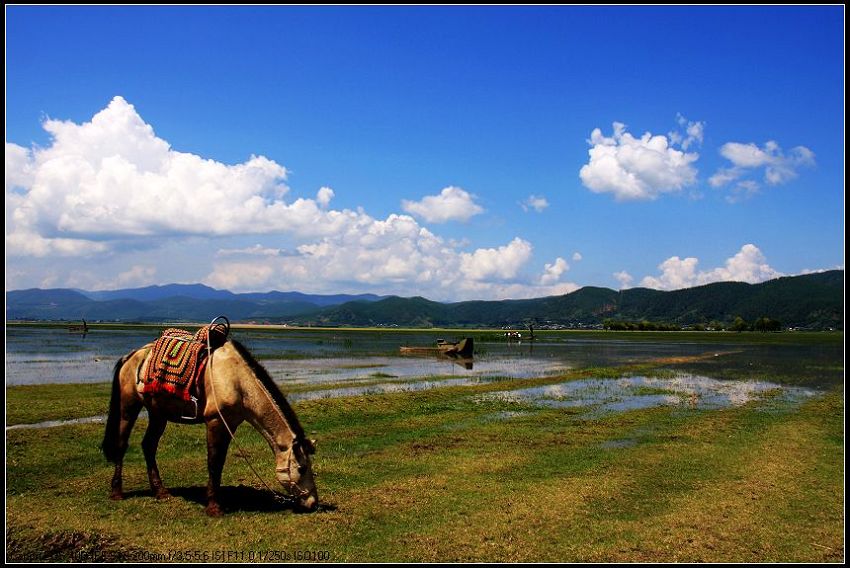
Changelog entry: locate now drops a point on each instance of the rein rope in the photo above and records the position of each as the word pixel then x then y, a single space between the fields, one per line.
pixel 292 485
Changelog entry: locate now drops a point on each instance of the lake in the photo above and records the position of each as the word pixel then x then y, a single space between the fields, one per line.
pixel 303 357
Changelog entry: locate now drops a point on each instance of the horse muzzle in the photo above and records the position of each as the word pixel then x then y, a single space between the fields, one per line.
pixel 308 504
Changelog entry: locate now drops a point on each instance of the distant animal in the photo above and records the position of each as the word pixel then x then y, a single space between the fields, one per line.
pixel 232 388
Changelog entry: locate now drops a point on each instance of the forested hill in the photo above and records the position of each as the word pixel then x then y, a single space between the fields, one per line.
pixel 812 301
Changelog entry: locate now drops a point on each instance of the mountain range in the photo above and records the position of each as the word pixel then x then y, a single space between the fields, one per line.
pixel 171 302
pixel 813 301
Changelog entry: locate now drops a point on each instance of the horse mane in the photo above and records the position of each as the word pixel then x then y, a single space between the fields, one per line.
pixel 275 392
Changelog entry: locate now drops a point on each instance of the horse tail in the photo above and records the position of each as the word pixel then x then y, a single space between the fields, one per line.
pixel 110 444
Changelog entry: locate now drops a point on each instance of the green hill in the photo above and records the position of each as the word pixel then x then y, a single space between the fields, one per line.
pixel 814 301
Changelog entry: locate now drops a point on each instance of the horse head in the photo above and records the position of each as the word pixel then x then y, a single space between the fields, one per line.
pixel 295 472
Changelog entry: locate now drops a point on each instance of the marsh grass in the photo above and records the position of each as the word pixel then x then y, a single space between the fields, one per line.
pixel 433 476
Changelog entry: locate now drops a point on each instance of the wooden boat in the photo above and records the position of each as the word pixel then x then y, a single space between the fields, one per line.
pixel 463 348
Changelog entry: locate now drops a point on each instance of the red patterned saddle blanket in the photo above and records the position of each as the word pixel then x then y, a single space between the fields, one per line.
pixel 178 360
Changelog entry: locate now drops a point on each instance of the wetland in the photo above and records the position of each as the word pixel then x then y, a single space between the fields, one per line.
pixel 580 446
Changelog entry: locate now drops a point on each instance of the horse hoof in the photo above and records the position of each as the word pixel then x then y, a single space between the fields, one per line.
pixel 214 511
pixel 164 494
pixel 116 496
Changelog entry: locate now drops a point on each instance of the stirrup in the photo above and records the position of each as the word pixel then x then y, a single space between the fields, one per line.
pixel 194 400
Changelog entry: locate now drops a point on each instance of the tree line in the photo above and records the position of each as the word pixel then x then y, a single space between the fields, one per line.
pixel 762 324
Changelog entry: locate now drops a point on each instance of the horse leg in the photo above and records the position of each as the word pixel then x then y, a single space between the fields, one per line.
pixel 218 440
pixel 156 426
pixel 128 420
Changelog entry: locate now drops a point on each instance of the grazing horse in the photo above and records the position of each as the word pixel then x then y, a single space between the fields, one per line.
pixel 234 388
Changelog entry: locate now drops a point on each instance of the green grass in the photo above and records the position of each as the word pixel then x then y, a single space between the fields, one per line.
pixel 436 476
pixel 28 404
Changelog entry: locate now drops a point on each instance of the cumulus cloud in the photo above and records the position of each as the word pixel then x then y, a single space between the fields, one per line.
pixel 624 278
pixel 637 168
pixel 452 204
pixel 502 262
pixel 534 202
pixel 324 196
pixel 18 172
pixel 577 256
pixel 749 161
pixel 675 273
pixel 691 133
pixel 552 272
pixel 748 265
pixel 113 177
pixel 398 255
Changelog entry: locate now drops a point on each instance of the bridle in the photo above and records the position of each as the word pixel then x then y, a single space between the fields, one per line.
pixel 293 487
pixel 295 491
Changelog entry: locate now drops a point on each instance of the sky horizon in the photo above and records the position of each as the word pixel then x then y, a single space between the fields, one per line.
pixel 454 153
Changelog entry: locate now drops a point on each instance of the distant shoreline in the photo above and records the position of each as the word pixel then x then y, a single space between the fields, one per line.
pixel 492 334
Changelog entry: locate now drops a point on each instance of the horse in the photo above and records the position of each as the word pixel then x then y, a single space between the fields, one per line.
pixel 235 388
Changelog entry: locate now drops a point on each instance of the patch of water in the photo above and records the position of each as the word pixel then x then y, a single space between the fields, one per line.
pixel 639 392
pixel 54 423
pixel 336 370
pixel 386 388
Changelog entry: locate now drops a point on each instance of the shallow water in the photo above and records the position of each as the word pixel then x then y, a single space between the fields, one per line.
pixel 369 363
pixel 37 355
pixel 595 396
pixel 600 396
pixel 54 423
pixel 335 370
pixel 385 388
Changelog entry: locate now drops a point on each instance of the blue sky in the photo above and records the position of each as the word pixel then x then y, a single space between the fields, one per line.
pixel 437 151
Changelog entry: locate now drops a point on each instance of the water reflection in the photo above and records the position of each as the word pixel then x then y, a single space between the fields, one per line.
pixel 319 371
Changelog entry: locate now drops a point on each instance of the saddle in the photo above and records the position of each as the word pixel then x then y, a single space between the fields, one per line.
pixel 178 360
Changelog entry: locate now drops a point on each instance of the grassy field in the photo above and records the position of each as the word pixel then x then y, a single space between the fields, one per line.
pixel 443 476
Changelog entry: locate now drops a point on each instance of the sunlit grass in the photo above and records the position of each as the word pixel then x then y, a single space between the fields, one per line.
pixel 425 477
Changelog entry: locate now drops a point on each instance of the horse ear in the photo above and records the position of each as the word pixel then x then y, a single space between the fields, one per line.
pixel 312 448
